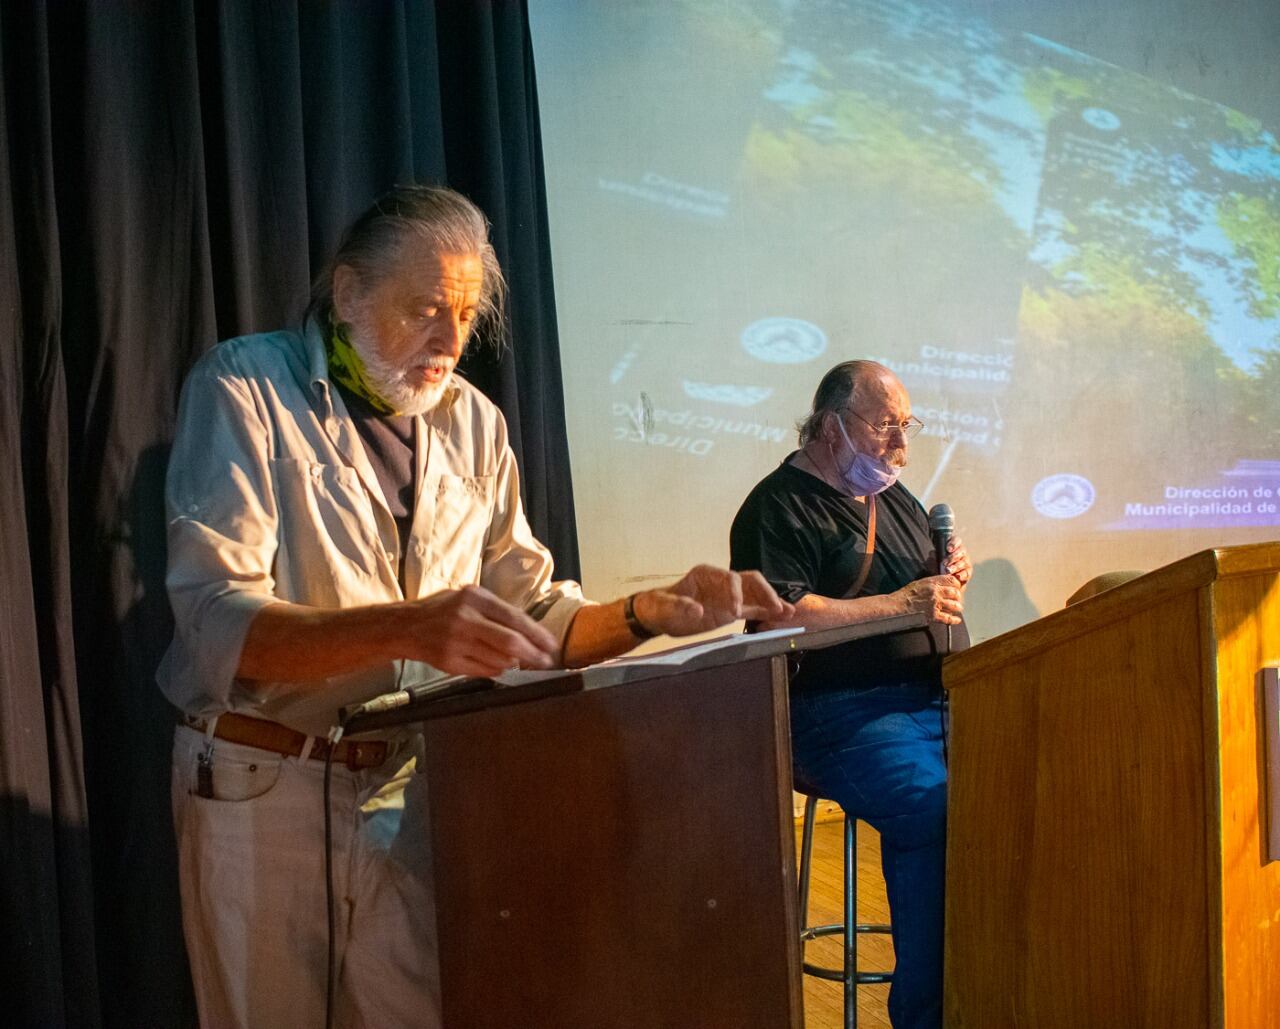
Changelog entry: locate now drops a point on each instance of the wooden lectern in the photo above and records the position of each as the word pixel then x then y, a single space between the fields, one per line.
pixel 618 857
pixel 1107 858
pixel 614 848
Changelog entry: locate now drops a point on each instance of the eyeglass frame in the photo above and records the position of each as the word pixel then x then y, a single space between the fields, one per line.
pixel 909 429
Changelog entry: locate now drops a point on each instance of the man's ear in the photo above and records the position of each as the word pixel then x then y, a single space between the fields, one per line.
pixel 826 431
pixel 346 288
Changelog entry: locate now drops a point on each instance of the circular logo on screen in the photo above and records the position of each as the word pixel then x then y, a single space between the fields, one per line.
pixel 1063 496
pixel 783 340
pixel 1101 119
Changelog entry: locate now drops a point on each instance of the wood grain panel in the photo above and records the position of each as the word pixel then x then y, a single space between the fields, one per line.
pixel 1079 620
pixel 1250 559
pixel 1247 619
pixel 1076 851
pixel 619 857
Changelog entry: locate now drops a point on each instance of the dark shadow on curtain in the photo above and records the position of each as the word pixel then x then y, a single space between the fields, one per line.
pixel 146 981
pixel 170 179
pixel 47 946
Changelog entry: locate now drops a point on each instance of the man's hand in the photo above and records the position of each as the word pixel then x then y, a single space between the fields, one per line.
pixel 958 563
pixel 939 597
pixel 707 598
pixel 469 631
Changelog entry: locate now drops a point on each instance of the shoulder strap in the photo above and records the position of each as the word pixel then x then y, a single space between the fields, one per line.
pixel 865 570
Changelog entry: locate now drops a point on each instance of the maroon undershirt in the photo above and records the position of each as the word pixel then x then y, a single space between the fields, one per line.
pixel 389 443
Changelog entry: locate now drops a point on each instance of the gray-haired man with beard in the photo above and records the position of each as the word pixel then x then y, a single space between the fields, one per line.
pixel 345 519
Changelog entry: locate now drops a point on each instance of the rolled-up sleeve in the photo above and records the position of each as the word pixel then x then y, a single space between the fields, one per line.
pixel 222 533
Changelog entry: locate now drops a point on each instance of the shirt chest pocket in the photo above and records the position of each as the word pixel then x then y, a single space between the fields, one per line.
pixel 463 512
pixel 325 513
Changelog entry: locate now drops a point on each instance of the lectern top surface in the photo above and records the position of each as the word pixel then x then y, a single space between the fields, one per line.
pixel 457 696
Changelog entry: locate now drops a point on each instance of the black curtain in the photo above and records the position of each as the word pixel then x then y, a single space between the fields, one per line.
pixel 171 174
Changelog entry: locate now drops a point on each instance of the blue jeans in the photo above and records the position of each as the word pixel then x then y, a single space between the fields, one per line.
pixel 878 752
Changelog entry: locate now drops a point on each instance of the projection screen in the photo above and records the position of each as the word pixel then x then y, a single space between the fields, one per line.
pixel 1074 268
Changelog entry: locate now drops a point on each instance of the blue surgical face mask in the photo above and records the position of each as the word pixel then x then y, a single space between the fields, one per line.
pixel 867 475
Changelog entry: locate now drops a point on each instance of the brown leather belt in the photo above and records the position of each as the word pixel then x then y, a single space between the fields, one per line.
pixel 280 739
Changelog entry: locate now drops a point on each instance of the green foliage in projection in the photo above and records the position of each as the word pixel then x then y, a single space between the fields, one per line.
pixel 1150 187
pixel 1144 228
pixel 1253 225
pixel 1123 280
pixel 889 128
pixel 734 28
pixel 1114 359
pixel 876 156
pixel 1045 89
pixel 1125 331
pixel 1248 129
pixel 1259 400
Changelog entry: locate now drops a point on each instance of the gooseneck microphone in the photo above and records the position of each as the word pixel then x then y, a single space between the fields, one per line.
pixel 942 526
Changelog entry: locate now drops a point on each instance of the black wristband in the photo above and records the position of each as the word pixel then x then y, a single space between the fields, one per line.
pixel 633 623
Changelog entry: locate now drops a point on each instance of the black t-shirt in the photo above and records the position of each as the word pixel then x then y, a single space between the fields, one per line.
pixel 806 537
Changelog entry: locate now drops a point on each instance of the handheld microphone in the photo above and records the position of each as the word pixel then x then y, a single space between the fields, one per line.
pixel 942 526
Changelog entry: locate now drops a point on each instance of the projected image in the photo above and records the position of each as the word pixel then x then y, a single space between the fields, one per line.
pixel 1152 300
pixel 913 158
pixel 1074 269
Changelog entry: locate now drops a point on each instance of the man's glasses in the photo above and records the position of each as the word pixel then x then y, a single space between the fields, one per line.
pixel 886 429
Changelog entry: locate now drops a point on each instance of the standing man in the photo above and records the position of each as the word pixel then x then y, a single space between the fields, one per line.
pixel 345 519
pixel 835 533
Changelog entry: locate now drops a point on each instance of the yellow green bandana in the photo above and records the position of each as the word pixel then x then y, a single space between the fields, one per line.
pixel 347 367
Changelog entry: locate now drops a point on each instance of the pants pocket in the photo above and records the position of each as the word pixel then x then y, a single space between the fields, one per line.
pixel 232 776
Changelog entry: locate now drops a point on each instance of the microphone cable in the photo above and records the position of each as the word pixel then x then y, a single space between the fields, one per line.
pixel 330 899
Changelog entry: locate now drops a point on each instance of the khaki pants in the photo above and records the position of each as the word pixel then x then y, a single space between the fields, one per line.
pixel 251 862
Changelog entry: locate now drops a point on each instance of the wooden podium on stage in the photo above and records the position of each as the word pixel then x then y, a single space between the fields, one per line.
pixel 1107 856
pixel 614 848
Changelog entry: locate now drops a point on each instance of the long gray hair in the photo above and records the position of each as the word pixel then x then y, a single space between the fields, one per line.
pixel 442 217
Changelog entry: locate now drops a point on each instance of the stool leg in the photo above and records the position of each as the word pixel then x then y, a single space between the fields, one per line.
pixel 850 924
pixel 806 857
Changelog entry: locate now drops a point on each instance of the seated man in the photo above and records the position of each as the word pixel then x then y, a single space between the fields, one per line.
pixel 345 519
pixel 835 533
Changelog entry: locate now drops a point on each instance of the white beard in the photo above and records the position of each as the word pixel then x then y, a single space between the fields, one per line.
pixel 391 382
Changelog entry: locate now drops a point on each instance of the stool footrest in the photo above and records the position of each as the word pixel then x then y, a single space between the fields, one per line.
pixel 836 975
pixel 812 932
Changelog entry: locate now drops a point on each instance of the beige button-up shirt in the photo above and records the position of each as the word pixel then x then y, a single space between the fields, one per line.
pixel 271 499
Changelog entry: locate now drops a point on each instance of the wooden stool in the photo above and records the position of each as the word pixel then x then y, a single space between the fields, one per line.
pixel 850 927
